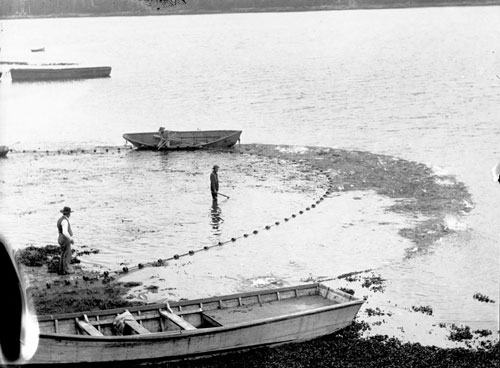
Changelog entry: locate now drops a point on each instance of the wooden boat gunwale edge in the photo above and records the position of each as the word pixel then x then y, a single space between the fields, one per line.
pixel 182 303
pixel 200 331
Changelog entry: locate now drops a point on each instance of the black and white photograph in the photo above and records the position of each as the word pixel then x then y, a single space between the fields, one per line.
pixel 250 183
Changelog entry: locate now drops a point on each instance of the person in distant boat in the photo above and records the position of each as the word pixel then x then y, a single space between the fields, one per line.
pixel 65 240
pixel 164 138
pixel 214 182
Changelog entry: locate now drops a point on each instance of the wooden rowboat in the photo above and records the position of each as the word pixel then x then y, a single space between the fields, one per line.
pixel 58 73
pixel 193 329
pixel 167 140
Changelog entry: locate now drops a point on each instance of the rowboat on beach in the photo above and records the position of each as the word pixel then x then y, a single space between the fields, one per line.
pixel 193 328
pixel 40 73
pixel 166 140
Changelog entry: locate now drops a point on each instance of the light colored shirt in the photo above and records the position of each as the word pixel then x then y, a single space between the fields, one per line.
pixel 64 225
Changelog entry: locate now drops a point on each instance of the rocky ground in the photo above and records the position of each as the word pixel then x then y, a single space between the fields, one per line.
pixel 416 190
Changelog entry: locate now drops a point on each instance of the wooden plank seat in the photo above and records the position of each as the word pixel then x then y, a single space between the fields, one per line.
pixel 124 320
pixel 86 327
pixel 178 320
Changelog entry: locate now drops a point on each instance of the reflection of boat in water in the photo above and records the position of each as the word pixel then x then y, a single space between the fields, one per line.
pixel 57 73
pixel 3 151
pixel 183 140
pixel 39 49
pixel 193 328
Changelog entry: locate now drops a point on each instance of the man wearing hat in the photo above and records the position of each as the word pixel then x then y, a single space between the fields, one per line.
pixel 214 182
pixel 65 240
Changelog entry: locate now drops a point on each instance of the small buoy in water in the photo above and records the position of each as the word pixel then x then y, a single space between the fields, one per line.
pixel 125 269
pixel 233 239
pixel 294 215
pixel 268 227
pixel 313 205
pixel 301 212
pixel 205 247
pixel 277 223
pixel 255 232
pixel 176 256
pixel 140 265
pixel 191 252
pixel 286 218
pixel 107 150
pixel 219 243
pixel 307 208
pixel 245 235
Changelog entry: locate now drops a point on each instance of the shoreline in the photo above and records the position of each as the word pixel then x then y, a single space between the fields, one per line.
pixel 297 9
pixel 414 187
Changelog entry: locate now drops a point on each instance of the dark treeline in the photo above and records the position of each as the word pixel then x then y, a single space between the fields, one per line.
pixel 46 8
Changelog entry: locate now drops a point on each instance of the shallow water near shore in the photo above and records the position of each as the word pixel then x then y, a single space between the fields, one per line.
pixel 358 80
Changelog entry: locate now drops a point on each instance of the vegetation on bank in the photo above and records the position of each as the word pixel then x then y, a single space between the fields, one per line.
pixel 63 8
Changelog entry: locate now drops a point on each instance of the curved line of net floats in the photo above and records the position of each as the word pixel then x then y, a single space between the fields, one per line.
pixel 163 262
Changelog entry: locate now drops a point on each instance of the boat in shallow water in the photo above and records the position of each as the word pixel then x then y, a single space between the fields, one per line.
pixel 193 328
pixel 166 140
pixel 41 73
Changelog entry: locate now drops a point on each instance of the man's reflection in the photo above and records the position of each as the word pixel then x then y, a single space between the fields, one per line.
pixel 215 218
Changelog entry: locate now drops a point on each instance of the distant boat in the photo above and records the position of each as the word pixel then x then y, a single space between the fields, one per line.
pixel 167 140
pixel 3 151
pixel 193 328
pixel 57 73
pixel 40 49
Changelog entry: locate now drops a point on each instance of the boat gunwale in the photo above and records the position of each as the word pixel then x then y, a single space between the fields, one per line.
pixel 141 144
pixel 166 335
pixel 182 303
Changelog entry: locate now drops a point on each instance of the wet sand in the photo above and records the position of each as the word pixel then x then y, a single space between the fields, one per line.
pixel 415 190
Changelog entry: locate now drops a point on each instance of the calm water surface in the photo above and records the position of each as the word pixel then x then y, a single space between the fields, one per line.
pixel 419 84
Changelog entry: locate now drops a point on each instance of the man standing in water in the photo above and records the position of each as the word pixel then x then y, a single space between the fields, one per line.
pixel 214 182
pixel 65 240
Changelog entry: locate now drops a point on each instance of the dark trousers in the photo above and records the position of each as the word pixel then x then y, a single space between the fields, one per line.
pixel 65 259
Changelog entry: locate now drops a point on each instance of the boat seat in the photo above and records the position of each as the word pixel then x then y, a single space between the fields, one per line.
pixel 178 320
pixel 126 319
pixel 87 328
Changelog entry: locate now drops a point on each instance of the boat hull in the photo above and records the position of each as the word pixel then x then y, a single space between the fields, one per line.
pixel 45 73
pixel 294 314
pixel 185 140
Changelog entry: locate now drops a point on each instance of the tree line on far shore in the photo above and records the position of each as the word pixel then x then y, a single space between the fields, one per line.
pixel 46 8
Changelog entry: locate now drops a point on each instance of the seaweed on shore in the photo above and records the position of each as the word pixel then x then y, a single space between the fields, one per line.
pixel 483 298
